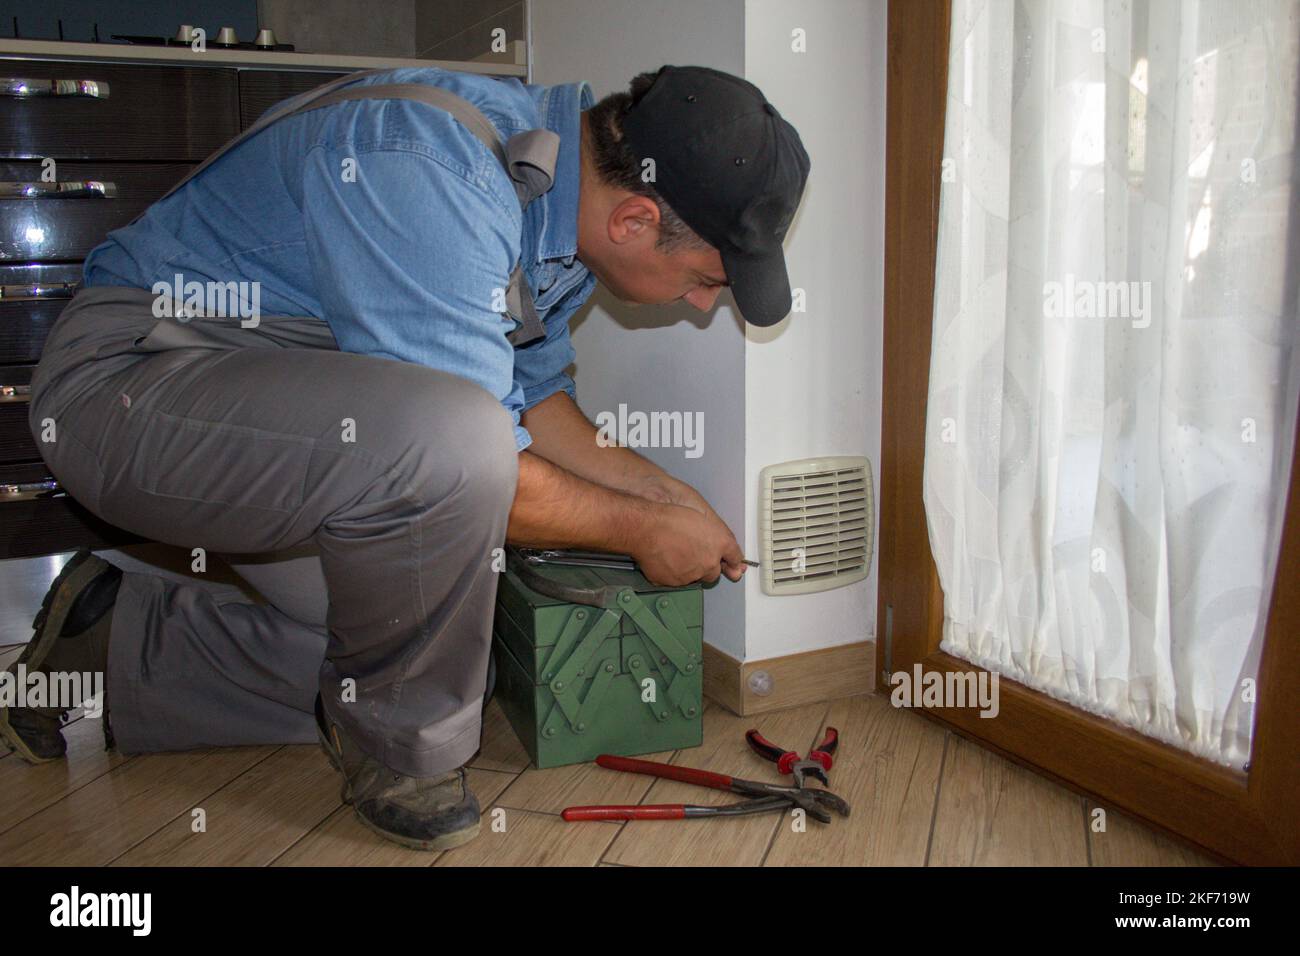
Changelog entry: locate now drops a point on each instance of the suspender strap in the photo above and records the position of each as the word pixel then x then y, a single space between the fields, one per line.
pixel 528 158
pixel 465 112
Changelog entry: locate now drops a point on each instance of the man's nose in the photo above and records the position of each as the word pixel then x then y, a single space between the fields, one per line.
pixel 702 299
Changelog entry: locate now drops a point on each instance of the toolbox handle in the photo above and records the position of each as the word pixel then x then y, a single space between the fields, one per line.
pixel 603 597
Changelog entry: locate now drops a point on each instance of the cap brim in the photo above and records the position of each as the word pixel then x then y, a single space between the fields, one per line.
pixel 760 285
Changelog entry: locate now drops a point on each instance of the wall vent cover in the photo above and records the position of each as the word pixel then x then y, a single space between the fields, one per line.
pixel 816 523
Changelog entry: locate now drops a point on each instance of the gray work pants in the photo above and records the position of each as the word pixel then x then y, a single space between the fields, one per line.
pixel 396 479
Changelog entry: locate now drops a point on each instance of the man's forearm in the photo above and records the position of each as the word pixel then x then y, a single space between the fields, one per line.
pixel 563 436
pixel 674 543
pixel 556 508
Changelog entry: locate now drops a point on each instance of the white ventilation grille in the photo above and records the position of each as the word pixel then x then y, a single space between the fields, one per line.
pixel 816 523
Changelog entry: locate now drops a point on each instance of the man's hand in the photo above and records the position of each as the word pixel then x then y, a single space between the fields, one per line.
pixel 670 491
pixel 612 499
pixel 673 544
pixel 685 546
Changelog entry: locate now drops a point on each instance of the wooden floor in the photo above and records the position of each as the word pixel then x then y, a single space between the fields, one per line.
pixel 920 795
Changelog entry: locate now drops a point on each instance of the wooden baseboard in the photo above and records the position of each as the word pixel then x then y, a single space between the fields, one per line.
pixel 796 679
pixel 722 678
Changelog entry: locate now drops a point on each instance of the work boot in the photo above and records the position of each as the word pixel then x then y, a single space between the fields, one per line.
pixel 424 813
pixel 69 634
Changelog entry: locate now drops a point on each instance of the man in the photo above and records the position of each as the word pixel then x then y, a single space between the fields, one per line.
pixel 381 408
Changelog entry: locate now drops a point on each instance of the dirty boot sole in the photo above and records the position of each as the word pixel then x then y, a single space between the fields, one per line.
pixel 80 570
pixel 13 740
pixel 448 841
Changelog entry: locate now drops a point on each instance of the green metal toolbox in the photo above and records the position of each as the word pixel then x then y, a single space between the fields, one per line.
pixel 597 660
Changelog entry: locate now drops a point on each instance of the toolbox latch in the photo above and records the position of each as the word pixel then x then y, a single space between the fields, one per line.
pixel 570 668
pixel 665 633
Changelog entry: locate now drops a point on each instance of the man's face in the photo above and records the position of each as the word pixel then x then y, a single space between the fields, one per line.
pixel 617 241
pixel 695 276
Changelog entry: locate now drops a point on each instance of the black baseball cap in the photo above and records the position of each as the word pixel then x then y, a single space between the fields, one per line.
pixel 732 169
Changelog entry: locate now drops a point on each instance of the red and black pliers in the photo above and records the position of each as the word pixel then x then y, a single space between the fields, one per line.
pixel 815 764
pixel 764 797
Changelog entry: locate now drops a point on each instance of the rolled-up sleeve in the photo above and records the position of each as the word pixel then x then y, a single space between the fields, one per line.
pixel 411 258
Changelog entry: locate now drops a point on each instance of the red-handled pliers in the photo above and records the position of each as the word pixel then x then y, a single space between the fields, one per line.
pixel 764 796
pixel 815 764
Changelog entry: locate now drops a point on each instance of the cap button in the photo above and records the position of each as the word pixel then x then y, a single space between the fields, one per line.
pixel 771 110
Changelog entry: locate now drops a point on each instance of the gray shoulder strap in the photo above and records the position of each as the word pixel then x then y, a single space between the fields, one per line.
pixel 528 158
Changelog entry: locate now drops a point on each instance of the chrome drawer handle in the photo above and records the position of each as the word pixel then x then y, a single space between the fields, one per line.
pixel 70 189
pixel 22 87
pixel 15 393
pixel 27 490
pixel 27 293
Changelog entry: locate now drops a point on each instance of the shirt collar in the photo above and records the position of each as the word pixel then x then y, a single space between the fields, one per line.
pixel 557 209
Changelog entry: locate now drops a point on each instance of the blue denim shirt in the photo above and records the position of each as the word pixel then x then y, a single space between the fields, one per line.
pixel 407 261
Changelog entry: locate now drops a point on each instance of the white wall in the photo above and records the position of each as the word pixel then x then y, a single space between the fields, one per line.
pixel 660 358
pixel 811 385
pixel 813 382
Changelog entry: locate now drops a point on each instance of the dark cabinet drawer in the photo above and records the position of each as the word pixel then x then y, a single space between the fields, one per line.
pixel 150 112
pixel 16 441
pixel 34 523
pixel 112 194
pixel 259 90
pixel 31 299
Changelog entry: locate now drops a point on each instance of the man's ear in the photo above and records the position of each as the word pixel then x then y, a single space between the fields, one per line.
pixel 635 218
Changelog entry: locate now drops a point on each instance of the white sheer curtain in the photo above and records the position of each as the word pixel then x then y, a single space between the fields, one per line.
pixel 1113 387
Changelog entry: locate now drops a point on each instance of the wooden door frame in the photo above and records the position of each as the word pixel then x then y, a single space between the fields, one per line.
pixel 1241 817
